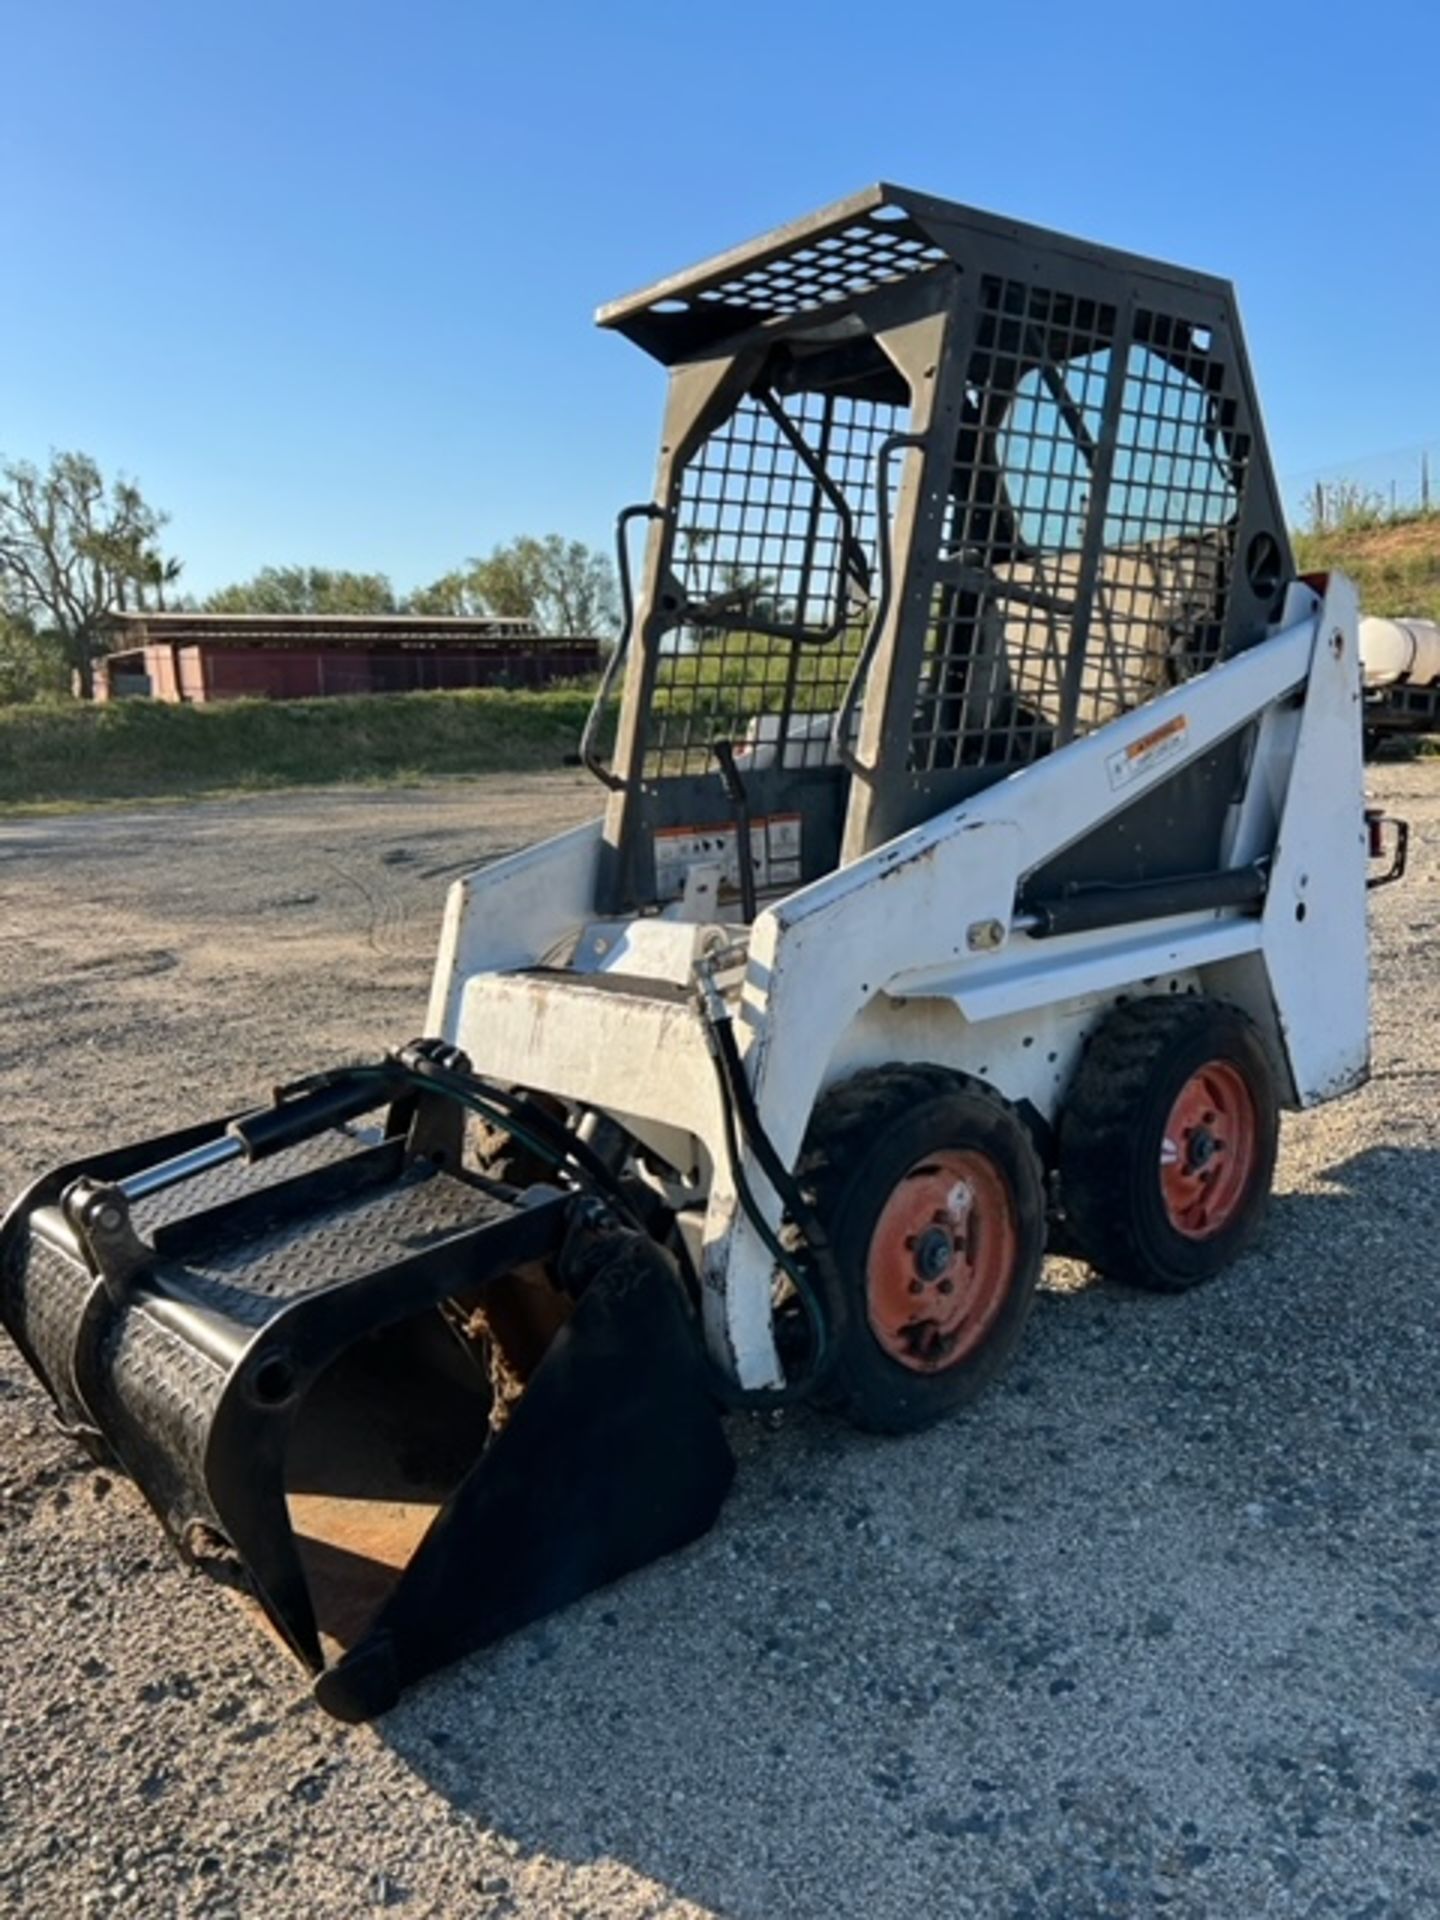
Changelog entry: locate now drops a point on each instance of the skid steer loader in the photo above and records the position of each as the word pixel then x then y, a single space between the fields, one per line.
pixel 982 861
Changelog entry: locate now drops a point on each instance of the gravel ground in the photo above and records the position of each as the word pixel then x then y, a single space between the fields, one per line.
pixel 1153 1631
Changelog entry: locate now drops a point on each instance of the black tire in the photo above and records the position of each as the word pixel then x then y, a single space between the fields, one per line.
pixel 1112 1135
pixel 869 1140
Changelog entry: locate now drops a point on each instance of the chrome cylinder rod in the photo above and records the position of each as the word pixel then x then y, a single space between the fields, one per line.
pixel 184 1166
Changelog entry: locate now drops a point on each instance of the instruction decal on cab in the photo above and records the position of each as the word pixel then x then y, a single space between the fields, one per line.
pixel 1150 751
pixel 775 853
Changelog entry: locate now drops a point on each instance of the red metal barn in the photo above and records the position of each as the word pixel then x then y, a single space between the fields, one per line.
pixel 196 657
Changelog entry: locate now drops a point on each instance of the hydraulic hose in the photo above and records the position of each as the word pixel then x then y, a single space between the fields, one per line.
pixel 427 1065
pixel 740 1118
pixel 735 1095
pixel 530 1125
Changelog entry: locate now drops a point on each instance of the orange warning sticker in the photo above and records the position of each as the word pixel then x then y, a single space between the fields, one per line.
pixel 1150 751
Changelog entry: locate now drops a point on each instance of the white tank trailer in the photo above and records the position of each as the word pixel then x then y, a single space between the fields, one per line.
pixel 1392 650
pixel 1400 666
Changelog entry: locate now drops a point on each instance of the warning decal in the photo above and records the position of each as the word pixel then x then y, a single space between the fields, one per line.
pixel 774 851
pixel 1149 752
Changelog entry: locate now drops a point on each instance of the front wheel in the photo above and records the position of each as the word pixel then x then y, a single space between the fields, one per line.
pixel 1167 1142
pixel 932 1195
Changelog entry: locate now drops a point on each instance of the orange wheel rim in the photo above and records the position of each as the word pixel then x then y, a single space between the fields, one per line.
pixel 941 1260
pixel 1209 1151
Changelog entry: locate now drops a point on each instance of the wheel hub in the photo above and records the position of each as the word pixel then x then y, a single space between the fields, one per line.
pixel 1208 1151
pixel 1202 1149
pixel 934 1254
pixel 941 1260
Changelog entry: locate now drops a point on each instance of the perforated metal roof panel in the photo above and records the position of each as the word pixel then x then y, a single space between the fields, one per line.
pixel 827 259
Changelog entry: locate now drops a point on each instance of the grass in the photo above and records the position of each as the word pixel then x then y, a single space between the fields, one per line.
pixel 68 754
pixel 1395 562
pixel 142 749
pixel 1394 559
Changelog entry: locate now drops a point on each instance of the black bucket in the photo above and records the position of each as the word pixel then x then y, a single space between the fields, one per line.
pixel 279 1366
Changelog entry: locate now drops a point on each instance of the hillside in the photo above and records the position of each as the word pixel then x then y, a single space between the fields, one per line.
pixel 1395 563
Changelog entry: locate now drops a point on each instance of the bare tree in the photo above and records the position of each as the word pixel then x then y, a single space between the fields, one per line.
pixel 73 550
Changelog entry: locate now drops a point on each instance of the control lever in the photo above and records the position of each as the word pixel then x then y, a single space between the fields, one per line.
pixel 724 751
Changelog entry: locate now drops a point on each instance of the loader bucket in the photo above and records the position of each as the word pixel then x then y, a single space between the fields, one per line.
pixel 274 1354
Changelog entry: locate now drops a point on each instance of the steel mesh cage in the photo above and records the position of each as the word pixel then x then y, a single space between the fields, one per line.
pixel 844 252
pixel 1077 503
pixel 1089 546
pixel 776 553
pixel 870 252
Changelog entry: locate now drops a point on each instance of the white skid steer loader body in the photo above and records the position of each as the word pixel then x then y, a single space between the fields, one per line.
pixel 965 717
pixel 915 951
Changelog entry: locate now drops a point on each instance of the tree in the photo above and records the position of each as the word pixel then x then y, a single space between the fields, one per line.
pixel 452 596
pixel 74 550
pixel 306 590
pixel 158 574
pixel 32 665
pixel 562 585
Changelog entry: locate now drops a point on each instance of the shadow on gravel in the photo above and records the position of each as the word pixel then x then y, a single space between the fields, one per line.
pixel 1376 1197
pixel 987 1657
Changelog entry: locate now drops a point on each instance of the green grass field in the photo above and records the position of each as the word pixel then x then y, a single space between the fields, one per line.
pixel 141 749
pixel 67 754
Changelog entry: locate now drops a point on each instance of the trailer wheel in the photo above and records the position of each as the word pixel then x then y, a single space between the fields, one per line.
pixel 931 1192
pixel 1167 1142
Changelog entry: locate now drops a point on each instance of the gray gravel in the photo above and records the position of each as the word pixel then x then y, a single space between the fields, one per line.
pixel 1152 1632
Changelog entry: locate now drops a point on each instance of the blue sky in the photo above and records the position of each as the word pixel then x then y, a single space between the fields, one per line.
pixel 322 276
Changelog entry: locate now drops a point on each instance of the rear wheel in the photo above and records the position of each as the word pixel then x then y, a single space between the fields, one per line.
pixel 931 1192
pixel 1167 1142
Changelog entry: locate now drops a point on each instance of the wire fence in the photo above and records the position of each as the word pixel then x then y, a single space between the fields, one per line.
pixel 1361 492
